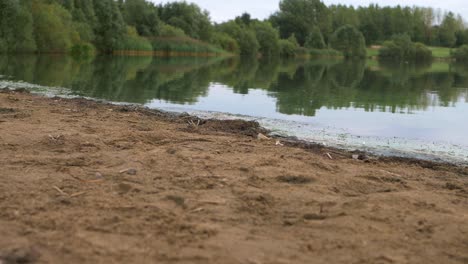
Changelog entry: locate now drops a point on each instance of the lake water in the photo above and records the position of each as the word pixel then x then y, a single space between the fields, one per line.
pixel 407 110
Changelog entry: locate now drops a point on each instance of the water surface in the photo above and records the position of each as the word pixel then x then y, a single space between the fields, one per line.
pixel 398 109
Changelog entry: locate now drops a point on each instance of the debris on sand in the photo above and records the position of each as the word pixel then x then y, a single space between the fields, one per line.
pixel 128 171
pixel 260 136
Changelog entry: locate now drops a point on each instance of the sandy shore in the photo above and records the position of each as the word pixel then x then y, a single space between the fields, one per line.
pixel 84 182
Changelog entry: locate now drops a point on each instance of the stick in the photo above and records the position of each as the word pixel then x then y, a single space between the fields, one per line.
pixel 78 194
pixel 329 156
pixel 59 190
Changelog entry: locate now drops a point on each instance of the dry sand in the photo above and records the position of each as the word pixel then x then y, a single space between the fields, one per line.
pixel 86 182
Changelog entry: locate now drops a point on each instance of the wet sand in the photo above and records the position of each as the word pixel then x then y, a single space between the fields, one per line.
pixel 87 182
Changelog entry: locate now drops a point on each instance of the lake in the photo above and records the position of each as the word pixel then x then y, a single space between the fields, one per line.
pixel 391 109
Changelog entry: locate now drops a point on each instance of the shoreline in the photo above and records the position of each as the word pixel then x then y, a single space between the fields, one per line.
pixel 92 182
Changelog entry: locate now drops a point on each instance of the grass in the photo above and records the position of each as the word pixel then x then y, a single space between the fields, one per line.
pixel 440 52
pixel 372 52
pixel 437 52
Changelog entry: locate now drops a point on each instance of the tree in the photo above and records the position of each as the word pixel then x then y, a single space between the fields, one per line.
pixel 53 27
pixel 190 18
pixel 143 16
pixel 448 29
pixel 268 38
pixel 110 28
pixel 16 30
pixel 350 41
pixel 315 40
pixel 300 16
pixel 245 37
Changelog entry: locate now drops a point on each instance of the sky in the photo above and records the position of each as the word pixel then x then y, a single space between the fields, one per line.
pixel 222 10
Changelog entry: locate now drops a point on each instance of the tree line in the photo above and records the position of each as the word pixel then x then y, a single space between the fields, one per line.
pixel 299 26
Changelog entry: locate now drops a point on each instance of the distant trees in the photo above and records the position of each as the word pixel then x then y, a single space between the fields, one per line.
pixel 349 41
pixel 297 28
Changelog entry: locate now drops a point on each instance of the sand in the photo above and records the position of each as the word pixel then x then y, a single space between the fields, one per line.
pixel 88 182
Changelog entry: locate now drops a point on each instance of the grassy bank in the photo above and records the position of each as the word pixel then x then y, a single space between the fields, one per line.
pixel 437 52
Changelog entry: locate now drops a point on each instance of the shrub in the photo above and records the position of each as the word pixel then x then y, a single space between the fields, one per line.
pixel 225 42
pixel 287 48
pixel 171 31
pixel 461 54
pixel 402 48
pixel 325 53
pixel 83 50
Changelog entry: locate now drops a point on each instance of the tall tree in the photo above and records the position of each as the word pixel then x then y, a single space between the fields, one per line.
pixel 110 28
pixel 300 16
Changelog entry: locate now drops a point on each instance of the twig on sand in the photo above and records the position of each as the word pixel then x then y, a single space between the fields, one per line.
pixel 60 190
pixel 78 194
pixel 329 156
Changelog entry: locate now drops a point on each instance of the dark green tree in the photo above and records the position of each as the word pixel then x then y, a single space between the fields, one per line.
pixel 300 16
pixel 110 29
pixel 143 16
pixel 268 38
pixel 350 41
pixel 315 40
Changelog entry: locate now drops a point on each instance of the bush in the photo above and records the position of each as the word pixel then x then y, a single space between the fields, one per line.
pixel 325 53
pixel 183 44
pixel 133 42
pixel 402 48
pixel 225 42
pixel 461 54
pixel 83 50
pixel 287 48
pixel 171 31
pixel 350 41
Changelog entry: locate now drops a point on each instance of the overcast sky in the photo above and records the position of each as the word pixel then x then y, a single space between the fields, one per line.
pixel 222 10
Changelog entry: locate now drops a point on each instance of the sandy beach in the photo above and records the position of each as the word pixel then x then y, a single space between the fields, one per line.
pixel 89 182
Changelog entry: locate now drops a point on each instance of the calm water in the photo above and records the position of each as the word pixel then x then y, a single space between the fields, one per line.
pixel 409 110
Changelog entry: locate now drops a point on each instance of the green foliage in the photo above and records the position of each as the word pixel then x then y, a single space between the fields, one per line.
pixel 268 39
pixel 244 35
pixel 225 42
pixel 111 29
pixel 53 27
pixel 325 53
pixel 350 41
pixel 402 48
pixel 143 16
pixel 183 45
pixel 287 49
pixel 189 17
pixel 447 32
pixel 82 50
pixel 461 54
pixel 171 31
pixel 315 40
pixel 133 42
pixel 299 17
